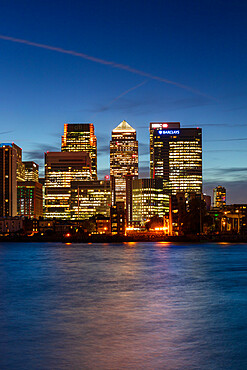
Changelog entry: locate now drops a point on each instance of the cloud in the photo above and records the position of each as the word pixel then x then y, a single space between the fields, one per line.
pixel 224 150
pixel 226 170
pixel 103 172
pixel 232 139
pixel 103 149
pixel 105 62
pixel 6 132
pixel 143 148
pixel 38 153
pixel 144 171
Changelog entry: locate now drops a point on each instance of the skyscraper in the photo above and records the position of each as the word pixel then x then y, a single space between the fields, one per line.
pixel 123 159
pixel 176 156
pixel 11 171
pixel 81 137
pixel 153 126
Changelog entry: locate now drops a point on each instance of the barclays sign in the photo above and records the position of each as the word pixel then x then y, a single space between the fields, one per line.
pixel 169 132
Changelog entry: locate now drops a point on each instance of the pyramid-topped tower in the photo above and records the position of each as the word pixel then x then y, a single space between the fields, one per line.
pixel 123 159
pixel 124 127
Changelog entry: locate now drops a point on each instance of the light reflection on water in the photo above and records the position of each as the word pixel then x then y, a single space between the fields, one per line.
pixel 123 306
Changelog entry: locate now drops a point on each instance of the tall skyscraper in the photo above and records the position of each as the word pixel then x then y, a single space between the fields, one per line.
pixel 11 171
pixel 152 128
pixel 81 137
pixel 123 159
pixel 219 196
pixel 60 169
pixel 176 156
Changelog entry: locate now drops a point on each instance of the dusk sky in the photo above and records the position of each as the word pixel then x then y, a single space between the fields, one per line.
pixel 170 61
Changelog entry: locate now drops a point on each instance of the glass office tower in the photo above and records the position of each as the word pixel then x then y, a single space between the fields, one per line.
pixel 123 159
pixel 81 137
pixel 176 155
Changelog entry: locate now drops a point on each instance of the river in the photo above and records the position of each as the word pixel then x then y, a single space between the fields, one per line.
pixel 123 306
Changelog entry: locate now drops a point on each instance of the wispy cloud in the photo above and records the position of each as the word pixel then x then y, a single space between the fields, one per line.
pixel 37 154
pixel 104 62
pixel 6 132
pixel 232 139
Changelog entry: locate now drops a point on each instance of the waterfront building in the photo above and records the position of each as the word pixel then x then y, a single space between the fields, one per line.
pixel 123 159
pixel 79 137
pixel 176 157
pixel 60 169
pixel 148 199
pixel 31 171
pixel 29 199
pixel 118 218
pixel 219 196
pixel 90 198
pixel 11 171
pixel 10 225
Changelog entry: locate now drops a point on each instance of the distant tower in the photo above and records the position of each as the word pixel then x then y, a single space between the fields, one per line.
pixel 219 196
pixel 11 171
pixel 81 137
pixel 123 159
pixel 31 171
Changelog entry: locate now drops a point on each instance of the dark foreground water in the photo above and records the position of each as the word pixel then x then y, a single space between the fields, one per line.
pixel 123 306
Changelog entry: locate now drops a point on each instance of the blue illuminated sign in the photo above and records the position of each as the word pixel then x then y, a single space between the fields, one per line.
pixel 169 132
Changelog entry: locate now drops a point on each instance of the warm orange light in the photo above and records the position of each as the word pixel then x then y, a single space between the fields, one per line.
pixel 67 235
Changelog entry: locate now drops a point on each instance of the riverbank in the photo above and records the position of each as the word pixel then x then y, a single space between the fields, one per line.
pixel 121 238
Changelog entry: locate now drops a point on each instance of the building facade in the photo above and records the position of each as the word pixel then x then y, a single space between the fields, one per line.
pixel 31 171
pixel 90 198
pixel 29 199
pixel 177 157
pixel 149 199
pixel 123 159
pixel 60 169
pixel 11 171
pixel 81 137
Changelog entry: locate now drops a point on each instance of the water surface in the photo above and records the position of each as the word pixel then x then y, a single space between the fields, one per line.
pixel 123 306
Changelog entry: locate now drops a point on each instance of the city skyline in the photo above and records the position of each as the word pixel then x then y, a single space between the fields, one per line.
pixel 157 65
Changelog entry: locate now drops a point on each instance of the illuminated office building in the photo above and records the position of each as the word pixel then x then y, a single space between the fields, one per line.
pixel 31 171
pixel 81 137
pixel 148 199
pixel 177 157
pixel 219 196
pixel 60 169
pixel 123 159
pixel 153 126
pixel 29 199
pixel 90 198
pixel 11 171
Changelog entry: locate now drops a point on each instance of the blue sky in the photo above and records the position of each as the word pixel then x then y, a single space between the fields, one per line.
pixel 198 44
